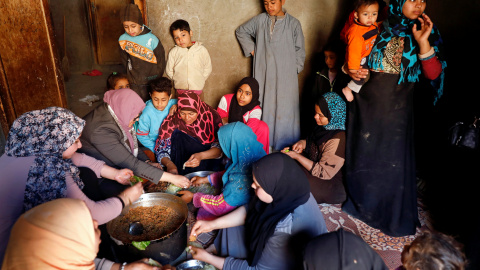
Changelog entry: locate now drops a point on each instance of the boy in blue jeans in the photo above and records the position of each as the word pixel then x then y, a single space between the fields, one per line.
pixel 275 40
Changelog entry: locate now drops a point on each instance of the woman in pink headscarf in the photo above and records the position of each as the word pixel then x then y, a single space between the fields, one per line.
pixel 109 135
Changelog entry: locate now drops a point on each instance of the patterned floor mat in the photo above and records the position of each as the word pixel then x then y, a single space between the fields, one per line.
pixel 389 248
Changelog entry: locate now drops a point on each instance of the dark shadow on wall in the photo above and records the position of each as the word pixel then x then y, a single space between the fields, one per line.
pixel 317 63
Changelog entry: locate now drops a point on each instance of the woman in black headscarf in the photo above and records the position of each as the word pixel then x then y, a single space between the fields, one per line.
pixel 278 222
pixel 244 106
pixel 339 250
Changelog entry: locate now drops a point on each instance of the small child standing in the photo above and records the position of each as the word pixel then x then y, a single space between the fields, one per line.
pixel 142 52
pixel 117 81
pixel 360 38
pixel 156 110
pixel 275 40
pixel 189 63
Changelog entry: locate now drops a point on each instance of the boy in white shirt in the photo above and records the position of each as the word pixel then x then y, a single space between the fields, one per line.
pixel 188 63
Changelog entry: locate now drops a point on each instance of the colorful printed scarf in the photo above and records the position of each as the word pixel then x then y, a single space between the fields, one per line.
pixel 45 134
pixel 334 108
pixel 397 25
pixel 240 145
pixel 204 128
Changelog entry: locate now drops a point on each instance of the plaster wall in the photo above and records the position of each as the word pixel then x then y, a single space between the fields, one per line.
pixel 214 22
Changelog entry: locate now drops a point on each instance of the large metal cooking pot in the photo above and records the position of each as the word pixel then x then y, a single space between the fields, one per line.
pixel 165 249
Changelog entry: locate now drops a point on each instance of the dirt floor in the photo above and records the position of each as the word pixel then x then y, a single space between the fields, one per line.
pixel 80 86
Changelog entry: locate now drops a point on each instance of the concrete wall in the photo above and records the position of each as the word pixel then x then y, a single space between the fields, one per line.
pixel 214 22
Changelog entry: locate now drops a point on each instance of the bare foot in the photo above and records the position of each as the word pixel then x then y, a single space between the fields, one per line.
pixel 347 92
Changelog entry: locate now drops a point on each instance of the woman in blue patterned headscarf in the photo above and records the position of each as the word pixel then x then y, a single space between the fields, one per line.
pixel 380 171
pixel 239 143
pixel 324 150
pixel 400 26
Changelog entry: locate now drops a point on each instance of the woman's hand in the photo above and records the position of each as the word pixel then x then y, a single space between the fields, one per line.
pixel 421 35
pixel 197 181
pixel 299 146
pixel 177 180
pixel 123 176
pixel 173 109
pixel 291 154
pixel 199 253
pixel 201 226
pixel 194 160
pixel 202 255
pixel 131 194
pixel 187 196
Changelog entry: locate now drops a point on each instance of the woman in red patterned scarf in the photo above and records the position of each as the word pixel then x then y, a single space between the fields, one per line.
pixel 187 140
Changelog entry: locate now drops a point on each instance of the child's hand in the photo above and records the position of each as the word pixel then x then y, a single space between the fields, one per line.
pixel 173 109
pixel 197 181
pixel 356 74
pixel 252 53
pixel 187 196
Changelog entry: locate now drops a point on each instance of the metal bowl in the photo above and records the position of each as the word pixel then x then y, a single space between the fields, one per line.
pixel 168 247
pixel 199 173
pixel 191 265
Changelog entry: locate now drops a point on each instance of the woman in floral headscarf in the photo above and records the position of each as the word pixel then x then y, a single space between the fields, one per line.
pixel 187 140
pixel 380 160
pixel 324 150
pixel 40 165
